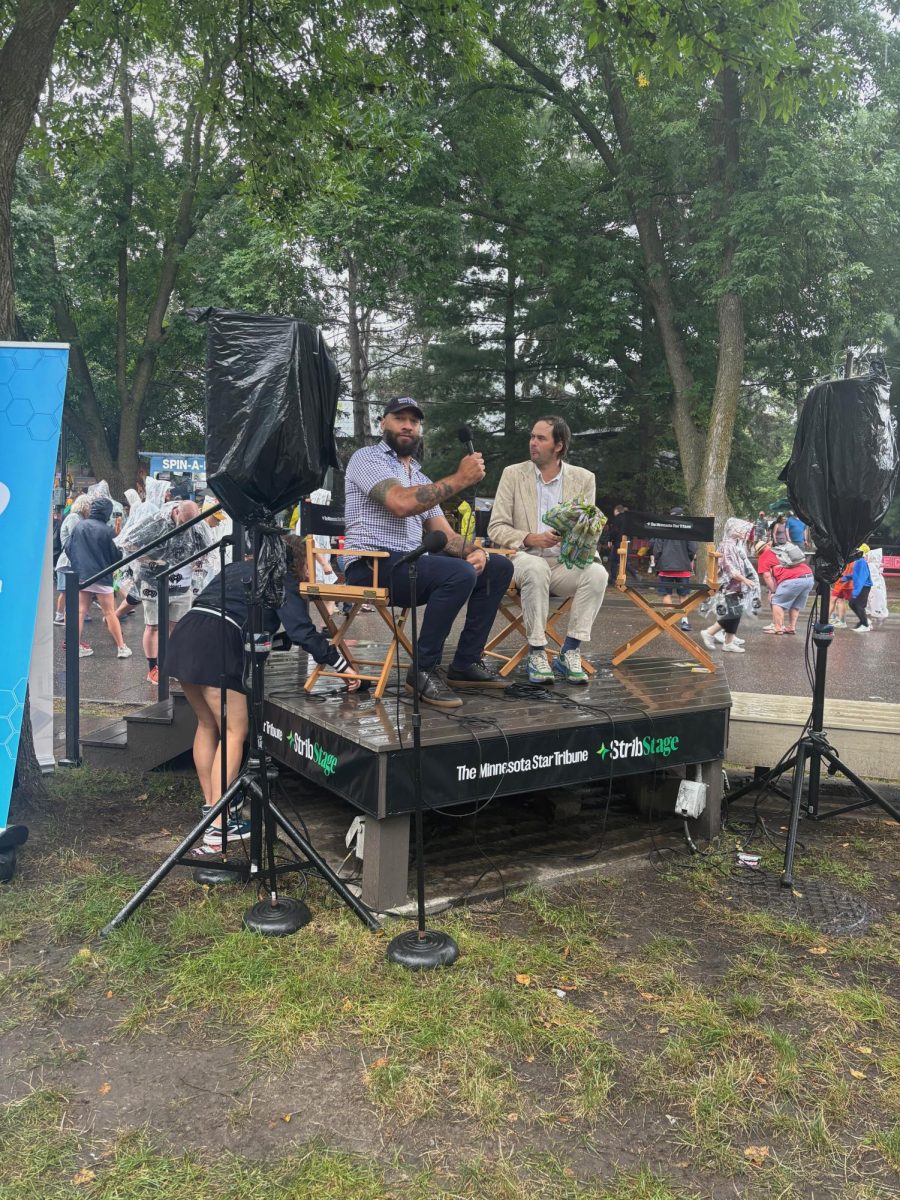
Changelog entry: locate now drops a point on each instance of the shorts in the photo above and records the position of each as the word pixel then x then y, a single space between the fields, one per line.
pixel 842 591
pixel 666 587
pixel 61 580
pixel 179 604
pixel 793 593
pixel 98 589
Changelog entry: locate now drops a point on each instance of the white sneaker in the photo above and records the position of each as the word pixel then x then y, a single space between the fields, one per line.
pixel 720 638
pixel 84 651
pixel 734 648
pixel 707 639
pixel 537 668
pixel 123 652
pixel 59 619
pixel 863 629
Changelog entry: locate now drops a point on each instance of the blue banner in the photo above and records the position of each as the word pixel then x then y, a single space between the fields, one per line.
pixel 178 464
pixel 32 388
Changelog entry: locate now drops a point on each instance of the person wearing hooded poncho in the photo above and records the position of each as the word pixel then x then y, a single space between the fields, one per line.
pixel 735 581
pixel 146 530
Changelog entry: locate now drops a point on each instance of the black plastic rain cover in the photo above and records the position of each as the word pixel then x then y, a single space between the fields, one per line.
pixel 271 400
pixel 843 466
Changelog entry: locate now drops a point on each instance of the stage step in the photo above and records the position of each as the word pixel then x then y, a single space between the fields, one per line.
pixel 144 739
pixel 865 733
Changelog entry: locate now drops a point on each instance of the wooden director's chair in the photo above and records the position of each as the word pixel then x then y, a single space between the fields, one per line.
pixel 317 519
pixel 511 610
pixel 665 620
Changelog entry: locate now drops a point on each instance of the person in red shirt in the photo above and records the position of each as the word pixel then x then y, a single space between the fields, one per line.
pixel 790 587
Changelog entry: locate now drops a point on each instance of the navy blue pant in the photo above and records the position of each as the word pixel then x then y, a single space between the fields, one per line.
pixel 444 585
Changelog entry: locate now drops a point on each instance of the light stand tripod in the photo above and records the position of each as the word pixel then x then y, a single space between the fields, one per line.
pixel 278 915
pixel 813 747
pixel 419 949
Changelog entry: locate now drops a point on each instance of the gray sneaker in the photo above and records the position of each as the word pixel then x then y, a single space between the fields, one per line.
pixel 537 667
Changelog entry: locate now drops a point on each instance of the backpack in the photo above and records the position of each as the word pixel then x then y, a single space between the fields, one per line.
pixel 789 554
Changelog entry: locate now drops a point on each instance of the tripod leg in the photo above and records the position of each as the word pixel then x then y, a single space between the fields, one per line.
pixel 172 861
pixel 754 785
pixel 787 878
pixel 871 796
pixel 337 885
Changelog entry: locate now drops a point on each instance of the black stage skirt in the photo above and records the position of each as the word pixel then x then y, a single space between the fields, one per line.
pixel 195 651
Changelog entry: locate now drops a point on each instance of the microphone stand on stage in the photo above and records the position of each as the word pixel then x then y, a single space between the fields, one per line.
pixel 420 949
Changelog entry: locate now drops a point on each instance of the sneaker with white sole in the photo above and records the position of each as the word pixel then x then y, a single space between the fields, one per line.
pixel 863 629
pixel 734 648
pixel 707 639
pixel 568 665
pixel 537 668
pixel 59 619
pixel 84 651
pixel 124 652
pixel 238 831
pixel 720 638
pixel 684 624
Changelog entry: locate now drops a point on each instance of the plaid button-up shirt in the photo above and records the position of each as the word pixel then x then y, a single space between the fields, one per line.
pixel 368 524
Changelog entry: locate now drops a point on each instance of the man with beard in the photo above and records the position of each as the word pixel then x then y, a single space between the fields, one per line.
pixel 390 505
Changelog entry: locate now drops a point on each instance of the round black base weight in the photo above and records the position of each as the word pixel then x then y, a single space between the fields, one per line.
pixel 213 875
pixel 279 920
pixel 422 952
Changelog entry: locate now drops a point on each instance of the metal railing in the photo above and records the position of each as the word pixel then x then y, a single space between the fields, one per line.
pixel 74 587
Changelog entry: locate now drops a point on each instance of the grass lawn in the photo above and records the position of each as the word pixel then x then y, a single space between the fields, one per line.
pixel 636 1039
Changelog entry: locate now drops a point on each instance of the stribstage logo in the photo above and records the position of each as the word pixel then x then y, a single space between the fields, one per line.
pixel 639 748
pixel 307 748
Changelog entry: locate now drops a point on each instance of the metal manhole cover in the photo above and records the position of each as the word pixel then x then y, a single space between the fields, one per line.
pixel 814 902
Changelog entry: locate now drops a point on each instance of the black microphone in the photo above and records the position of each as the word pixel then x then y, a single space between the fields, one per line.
pixel 432 543
pixel 465 436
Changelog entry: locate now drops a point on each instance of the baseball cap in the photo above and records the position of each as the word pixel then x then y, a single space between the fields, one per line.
pixel 676 512
pixel 864 548
pixel 401 404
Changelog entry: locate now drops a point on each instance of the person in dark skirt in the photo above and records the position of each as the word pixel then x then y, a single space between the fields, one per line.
pixel 195 659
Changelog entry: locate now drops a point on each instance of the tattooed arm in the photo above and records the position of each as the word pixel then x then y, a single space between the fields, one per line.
pixel 410 501
pixel 458 546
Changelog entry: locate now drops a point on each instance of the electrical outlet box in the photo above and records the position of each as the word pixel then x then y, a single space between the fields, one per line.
pixel 691 799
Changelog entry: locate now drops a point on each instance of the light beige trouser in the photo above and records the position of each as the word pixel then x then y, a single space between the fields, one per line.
pixel 540 578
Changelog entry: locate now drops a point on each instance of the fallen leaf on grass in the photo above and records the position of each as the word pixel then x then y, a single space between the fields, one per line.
pixel 379 1062
pixel 757 1155
pixel 648 995
pixel 83 1176
pixel 863 1049
pixel 104 1089
pixel 347 1006
pixel 287 1118
pixel 858 1074
pixel 568 1172
pixel 761 1080
pixel 817 950
pixel 109 995
pixel 663 1029
pixel 524 980
pixel 567 952
pixel 512 1116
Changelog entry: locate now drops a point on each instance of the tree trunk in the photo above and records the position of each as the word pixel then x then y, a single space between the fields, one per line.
pixel 710 495
pixel 28 783
pixel 25 59
pixel 509 350
pixel 358 395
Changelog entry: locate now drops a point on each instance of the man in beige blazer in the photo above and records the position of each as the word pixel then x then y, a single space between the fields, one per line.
pixel 526 491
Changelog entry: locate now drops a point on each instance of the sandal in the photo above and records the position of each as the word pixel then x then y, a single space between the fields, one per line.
pixel 790 631
pixel 778 631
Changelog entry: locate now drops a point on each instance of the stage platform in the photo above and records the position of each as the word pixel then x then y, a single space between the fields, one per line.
pixel 645 716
